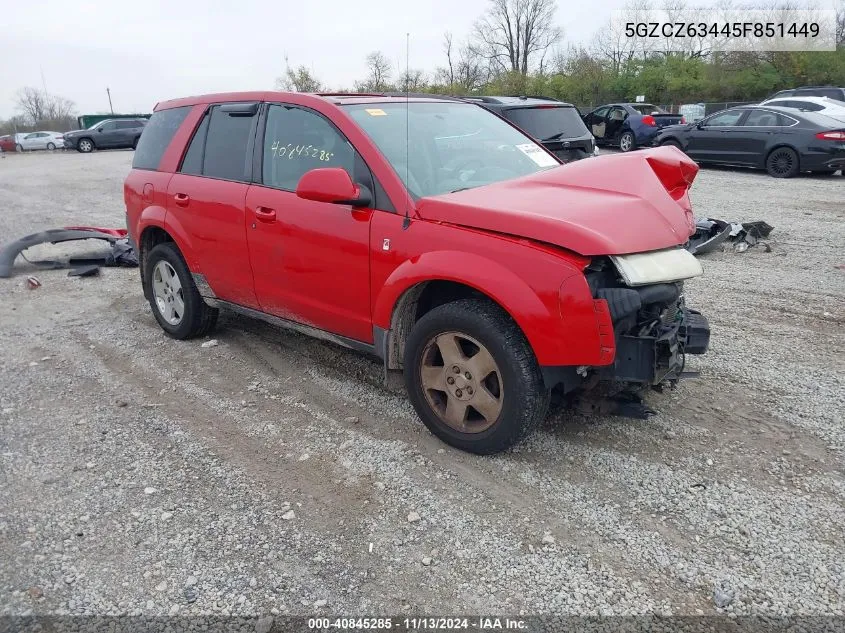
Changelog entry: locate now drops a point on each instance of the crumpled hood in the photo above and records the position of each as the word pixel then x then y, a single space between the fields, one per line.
pixel 612 205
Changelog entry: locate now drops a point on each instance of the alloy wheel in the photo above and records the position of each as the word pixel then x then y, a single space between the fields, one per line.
pixel 167 290
pixel 462 382
pixel 782 162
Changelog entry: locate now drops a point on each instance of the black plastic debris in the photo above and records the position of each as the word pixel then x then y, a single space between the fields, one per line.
pixel 711 234
pixel 84 271
pixel 120 251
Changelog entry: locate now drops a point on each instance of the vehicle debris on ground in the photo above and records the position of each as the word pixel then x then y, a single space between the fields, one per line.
pixel 711 234
pixel 121 251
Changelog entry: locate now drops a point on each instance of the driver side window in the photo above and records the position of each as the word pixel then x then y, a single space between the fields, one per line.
pixel 297 140
pixel 725 119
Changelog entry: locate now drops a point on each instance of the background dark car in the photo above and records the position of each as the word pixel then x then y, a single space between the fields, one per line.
pixel 555 124
pixel 628 125
pixel 831 92
pixel 108 134
pixel 783 141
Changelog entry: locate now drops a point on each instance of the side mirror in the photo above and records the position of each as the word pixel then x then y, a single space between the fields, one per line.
pixel 99 129
pixel 332 185
pixel 699 125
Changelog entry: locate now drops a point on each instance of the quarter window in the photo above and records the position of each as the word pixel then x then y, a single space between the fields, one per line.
pixel 157 136
pixel 297 140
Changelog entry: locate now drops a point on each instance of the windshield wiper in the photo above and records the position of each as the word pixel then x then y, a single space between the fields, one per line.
pixel 461 189
pixel 552 137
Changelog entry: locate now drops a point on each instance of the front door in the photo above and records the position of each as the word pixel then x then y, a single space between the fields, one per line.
pixel 205 200
pixel 310 260
pixel 597 122
pixel 717 139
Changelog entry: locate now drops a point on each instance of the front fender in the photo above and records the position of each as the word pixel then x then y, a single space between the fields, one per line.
pixel 535 310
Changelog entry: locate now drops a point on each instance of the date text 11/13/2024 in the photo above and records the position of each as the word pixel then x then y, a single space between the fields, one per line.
pixel 419 624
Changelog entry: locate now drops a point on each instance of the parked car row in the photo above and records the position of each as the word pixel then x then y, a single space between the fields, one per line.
pixel 24 142
pixel 108 134
pixel 783 141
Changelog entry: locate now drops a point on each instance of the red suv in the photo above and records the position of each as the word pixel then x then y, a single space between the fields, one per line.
pixel 428 232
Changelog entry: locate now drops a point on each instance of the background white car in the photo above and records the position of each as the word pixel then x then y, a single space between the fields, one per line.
pixel 825 105
pixel 41 140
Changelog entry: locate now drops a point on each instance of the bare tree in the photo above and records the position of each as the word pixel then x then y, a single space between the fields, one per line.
pixel 378 74
pixel 840 23
pixel 412 80
pixel 513 33
pixel 446 74
pixel 298 79
pixel 614 46
pixel 39 107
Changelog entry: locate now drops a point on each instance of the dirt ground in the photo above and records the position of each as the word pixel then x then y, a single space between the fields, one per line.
pixel 273 473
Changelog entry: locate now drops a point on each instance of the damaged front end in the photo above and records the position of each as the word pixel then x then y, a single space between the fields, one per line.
pixel 653 328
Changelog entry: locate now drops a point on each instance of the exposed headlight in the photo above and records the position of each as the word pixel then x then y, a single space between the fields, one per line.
pixel 673 264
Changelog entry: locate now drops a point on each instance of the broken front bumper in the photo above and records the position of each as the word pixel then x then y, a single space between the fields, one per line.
pixel 661 354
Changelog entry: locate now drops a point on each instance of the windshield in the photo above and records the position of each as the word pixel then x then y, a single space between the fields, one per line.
pixel 450 146
pixel 549 123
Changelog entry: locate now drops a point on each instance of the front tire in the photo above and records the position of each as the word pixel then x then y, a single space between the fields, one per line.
pixel 85 145
pixel 627 142
pixel 782 163
pixel 173 295
pixel 473 378
pixel 671 143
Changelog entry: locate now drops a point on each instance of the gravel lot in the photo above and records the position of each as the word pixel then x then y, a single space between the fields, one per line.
pixel 274 473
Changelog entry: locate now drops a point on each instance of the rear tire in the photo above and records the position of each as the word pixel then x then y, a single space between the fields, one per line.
pixel 18 148
pixel 173 295
pixel 135 144
pixel 627 142
pixel 782 162
pixel 85 145
pixel 507 385
pixel 51 146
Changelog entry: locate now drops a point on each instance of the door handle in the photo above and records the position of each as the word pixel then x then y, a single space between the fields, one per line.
pixel 265 214
pixel 182 199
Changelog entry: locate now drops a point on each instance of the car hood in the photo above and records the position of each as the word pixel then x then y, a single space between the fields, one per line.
pixel 611 205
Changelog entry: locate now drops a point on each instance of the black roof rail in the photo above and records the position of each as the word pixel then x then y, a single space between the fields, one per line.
pixel 534 97
pixel 421 95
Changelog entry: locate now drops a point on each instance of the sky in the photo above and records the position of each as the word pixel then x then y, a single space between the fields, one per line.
pixel 152 50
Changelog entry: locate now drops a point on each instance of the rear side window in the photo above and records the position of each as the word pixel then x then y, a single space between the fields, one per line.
pixel 157 136
pixel 547 123
pixel 763 118
pixel 192 163
pixel 226 145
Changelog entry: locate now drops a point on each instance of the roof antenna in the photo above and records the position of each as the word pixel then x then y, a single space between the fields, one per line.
pixel 407 222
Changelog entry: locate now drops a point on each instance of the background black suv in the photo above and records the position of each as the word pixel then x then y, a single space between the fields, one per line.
pixel 555 124
pixel 108 134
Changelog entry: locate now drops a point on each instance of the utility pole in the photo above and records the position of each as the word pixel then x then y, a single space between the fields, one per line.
pixel 108 92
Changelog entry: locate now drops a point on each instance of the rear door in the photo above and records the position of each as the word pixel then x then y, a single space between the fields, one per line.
pixel 126 133
pixel 205 199
pixel 758 132
pixel 311 260
pixel 597 121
